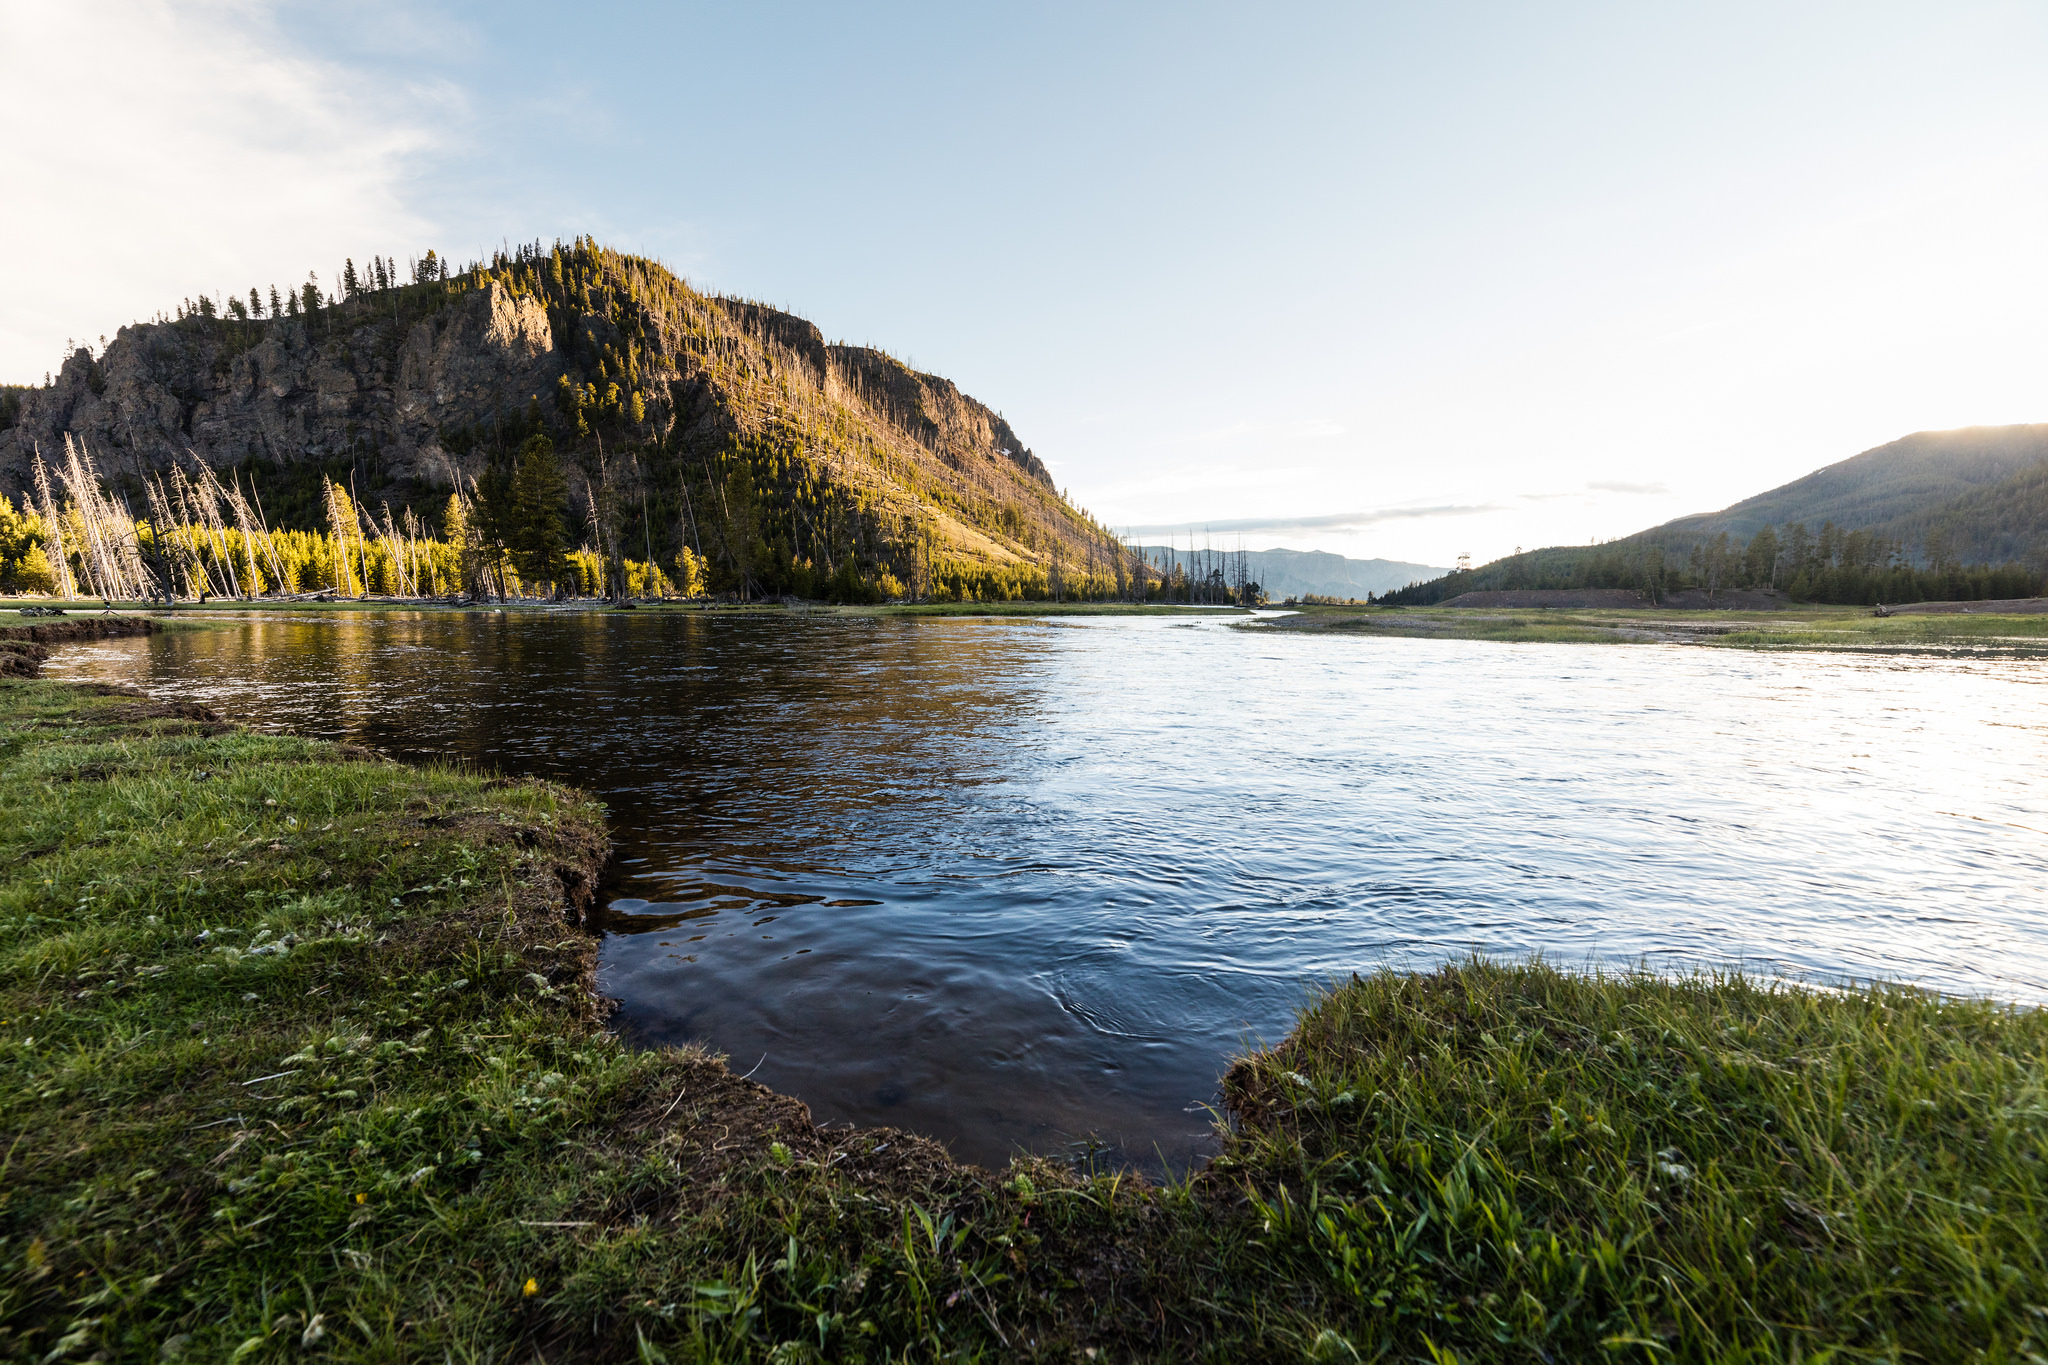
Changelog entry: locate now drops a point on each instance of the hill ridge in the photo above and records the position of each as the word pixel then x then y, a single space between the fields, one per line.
pixel 1959 514
pixel 712 421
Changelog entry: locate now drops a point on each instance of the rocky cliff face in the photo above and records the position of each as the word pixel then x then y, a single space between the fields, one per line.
pixel 291 390
pixel 410 391
pixel 928 408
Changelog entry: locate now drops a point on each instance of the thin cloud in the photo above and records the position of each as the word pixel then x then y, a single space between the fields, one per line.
pixel 1330 521
pixel 1638 489
pixel 251 161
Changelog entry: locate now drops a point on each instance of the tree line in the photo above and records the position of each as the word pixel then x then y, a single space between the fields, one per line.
pixel 196 536
pixel 1830 566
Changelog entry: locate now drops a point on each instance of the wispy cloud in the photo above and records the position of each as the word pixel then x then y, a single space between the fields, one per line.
pixel 1617 486
pixel 1328 521
pixel 248 159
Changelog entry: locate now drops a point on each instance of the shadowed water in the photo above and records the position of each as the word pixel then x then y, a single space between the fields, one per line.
pixel 1030 883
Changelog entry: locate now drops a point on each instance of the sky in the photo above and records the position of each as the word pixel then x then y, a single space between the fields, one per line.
pixel 1393 280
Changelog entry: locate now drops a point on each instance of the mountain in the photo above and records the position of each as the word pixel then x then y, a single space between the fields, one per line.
pixel 1900 490
pixel 1301 573
pixel 719 423
pixel 1938 514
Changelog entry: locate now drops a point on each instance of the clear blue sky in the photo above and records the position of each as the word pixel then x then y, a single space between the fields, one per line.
pixel 1401 280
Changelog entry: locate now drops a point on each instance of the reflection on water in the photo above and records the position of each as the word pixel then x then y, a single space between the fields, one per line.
pixel 1029 883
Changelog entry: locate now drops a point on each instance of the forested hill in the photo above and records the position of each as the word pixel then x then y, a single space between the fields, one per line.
pixel 1302 573
pixel 690 419
pixel 1938 514
pixel 1899 490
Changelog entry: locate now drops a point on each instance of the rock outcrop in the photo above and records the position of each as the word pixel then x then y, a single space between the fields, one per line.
pixel 292 391
pixel 927 407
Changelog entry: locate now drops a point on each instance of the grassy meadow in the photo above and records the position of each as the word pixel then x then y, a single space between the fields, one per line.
pixel 303 1061
pixel 1806 628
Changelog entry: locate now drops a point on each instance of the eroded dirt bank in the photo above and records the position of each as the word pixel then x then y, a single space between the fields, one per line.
pixel 24 649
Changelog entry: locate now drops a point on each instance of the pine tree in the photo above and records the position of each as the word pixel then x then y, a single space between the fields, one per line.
pixel 275 310
pixel 349 284
pixel 255 302
pixel 540 499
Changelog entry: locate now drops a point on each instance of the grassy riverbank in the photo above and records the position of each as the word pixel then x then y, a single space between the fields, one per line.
pixel 1841 629
pixel 1826 629
pixel 301 1061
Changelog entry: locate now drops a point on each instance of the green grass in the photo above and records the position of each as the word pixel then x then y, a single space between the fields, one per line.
pixel 1812 628
pixel 1913 633
pixel 1512 1161
pixel 301 1061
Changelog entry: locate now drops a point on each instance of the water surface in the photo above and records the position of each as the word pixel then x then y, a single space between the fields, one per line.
pixel 1026 883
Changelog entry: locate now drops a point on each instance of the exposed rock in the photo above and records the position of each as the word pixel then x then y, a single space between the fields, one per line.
pixel 928 407
pixel 301 391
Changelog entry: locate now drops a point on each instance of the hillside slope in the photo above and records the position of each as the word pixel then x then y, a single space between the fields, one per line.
pixel 1991 524
pixel 687 418
pixel 1935 515
pixel 1894 484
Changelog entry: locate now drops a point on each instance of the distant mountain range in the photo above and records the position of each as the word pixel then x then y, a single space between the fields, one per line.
pixel 1300 573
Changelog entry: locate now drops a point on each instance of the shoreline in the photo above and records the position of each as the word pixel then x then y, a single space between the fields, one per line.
pixel 81 609
pixel 1795 629
pixel 1813 630
pixel 304 1051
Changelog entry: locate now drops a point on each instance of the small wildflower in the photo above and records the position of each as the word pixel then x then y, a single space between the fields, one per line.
pixel 532 1288
pixel 362 1199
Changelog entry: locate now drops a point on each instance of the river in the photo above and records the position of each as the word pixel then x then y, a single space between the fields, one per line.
pixel 1026 883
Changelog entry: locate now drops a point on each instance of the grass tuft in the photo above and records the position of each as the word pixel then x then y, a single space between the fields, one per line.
pixel 1511 1160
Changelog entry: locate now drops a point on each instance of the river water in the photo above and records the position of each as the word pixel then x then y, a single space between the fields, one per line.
pixel 1030 883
